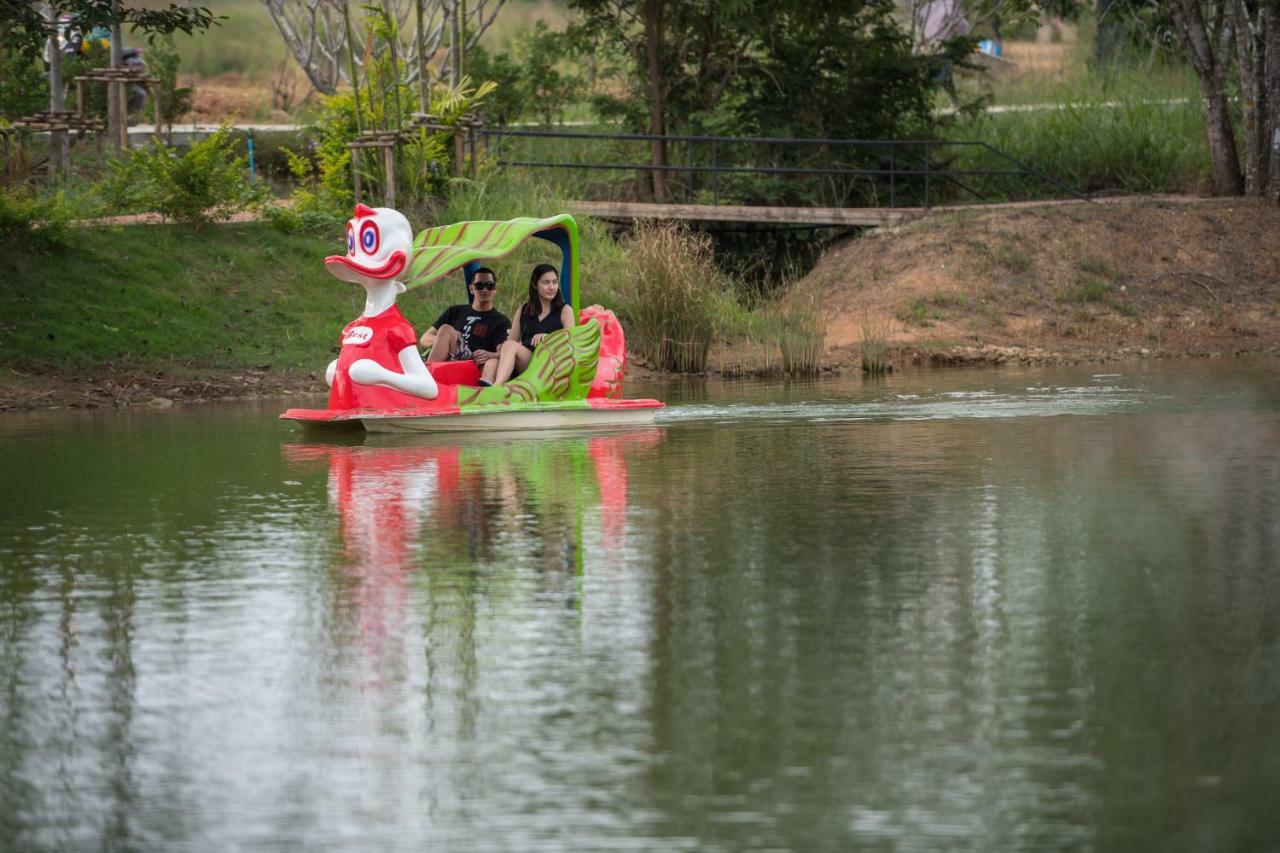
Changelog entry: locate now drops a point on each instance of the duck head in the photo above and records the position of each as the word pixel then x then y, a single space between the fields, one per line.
pixel 379 241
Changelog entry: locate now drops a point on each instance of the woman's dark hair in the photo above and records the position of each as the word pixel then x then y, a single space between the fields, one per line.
pixel 533 306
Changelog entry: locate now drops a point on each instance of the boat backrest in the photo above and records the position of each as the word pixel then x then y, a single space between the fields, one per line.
pixel 613 353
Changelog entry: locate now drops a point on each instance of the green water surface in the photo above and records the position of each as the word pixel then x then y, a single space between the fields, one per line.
pixel 985 610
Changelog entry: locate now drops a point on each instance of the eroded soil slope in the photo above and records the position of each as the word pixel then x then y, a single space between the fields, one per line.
pixel 1051 282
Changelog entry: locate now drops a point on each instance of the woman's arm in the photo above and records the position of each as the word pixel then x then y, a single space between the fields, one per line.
pixel 567 320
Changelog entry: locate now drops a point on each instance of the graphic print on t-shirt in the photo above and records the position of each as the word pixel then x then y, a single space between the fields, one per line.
pixel 468 329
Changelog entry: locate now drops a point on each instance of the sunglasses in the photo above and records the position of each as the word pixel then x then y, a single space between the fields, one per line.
pixel 485 285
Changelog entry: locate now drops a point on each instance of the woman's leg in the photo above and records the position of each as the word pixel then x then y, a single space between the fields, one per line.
pixel 512 357
pixel 489 371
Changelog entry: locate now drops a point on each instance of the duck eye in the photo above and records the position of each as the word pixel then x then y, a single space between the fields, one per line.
pixel 351 241
pixel 369 237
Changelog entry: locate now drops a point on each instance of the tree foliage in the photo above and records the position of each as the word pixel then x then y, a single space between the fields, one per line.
pixel 765 68
pixel 24 28
pixel 534 80
pixel 319 34
pixel 383 100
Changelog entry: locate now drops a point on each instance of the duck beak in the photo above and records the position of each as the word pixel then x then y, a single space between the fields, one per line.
pixel 342 267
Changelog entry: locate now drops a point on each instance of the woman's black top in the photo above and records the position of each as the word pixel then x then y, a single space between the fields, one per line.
pixel 530 326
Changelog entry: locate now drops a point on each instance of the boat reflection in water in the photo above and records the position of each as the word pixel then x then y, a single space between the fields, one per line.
pixel 469 512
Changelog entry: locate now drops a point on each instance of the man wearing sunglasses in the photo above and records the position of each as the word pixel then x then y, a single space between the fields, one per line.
pixel 472 331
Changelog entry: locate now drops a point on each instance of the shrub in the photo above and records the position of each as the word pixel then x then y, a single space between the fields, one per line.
pixel 289 220
pixel 28 219
pixel 175 100
pixel 272 153
pixel 208 182
pixel 24 88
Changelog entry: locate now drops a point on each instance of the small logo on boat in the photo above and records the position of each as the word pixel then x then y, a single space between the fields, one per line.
pixel 359 336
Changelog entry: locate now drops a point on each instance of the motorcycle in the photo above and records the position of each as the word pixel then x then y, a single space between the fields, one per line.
pixel 73 43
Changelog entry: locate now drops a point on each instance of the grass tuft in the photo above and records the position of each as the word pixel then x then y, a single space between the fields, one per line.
pixel 874 345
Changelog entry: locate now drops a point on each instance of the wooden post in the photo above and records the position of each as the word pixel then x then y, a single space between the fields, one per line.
pixel 122 101
pixel 458 130
pixel 155 98
pixel 80 96
pixel 389 158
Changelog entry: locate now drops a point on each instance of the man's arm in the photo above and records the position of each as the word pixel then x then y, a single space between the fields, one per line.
pixel 496 340
pixel 428 338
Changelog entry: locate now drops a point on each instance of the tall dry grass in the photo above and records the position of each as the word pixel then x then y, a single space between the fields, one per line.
pixel 874 345
pixel 670 295
pixel 802 334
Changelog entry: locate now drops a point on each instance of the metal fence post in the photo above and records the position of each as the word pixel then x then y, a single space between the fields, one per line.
pixel 893 175
pixel 715 176
pixel 926 175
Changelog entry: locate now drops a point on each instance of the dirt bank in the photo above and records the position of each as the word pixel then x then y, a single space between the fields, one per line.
pixel 108 387
pixel 1064 283
pixel 28 388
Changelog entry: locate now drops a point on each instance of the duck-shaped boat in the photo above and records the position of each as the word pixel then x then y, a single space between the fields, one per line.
pixel 379 381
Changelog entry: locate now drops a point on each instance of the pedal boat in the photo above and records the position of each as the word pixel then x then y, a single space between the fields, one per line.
pixel 574 379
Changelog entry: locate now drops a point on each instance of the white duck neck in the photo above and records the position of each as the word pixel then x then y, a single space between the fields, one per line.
pixel 381 296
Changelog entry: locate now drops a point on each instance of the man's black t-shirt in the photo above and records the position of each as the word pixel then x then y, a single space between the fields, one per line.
pixel 479 330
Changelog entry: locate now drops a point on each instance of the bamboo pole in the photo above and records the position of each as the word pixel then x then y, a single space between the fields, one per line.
pixel 389 159
pixel 424 85
pixel 117 106
pixel 355 92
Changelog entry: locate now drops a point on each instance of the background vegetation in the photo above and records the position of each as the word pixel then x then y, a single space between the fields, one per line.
pixel 1113 116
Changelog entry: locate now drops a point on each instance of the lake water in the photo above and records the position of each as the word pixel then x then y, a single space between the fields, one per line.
pixel 953 610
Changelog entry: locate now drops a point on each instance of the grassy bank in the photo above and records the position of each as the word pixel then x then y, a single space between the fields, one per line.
pixel 147 297
pixel 249 297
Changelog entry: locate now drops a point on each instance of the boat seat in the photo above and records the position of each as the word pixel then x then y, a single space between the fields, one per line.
pixel 455 372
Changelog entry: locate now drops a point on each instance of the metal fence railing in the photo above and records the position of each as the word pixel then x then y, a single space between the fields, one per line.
pixel 842 172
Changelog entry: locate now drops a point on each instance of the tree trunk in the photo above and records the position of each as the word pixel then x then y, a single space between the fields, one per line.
pixel 1251 61
pixel 424 79
pixel 653 61
pixel 1222 140
pixel 59 153
pixel 1207 42
pixel 1271 79
pixel 455 42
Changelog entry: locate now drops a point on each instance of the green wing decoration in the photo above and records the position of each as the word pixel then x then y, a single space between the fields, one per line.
pixel 441 250
pixel 561 370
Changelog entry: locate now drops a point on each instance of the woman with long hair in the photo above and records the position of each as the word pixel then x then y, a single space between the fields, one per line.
pixel 543 313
